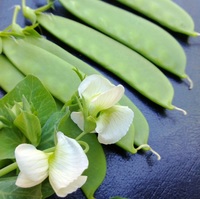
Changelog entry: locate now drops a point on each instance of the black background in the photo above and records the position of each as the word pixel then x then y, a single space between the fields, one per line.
pixel 174 136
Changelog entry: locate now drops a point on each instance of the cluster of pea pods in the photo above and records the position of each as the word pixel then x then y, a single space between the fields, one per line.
pixel 126 50
pixel 127 45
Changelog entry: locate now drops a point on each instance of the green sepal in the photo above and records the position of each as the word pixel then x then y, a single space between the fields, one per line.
pixel 29 125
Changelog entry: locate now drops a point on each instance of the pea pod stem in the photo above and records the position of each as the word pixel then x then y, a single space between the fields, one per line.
pixel 16 11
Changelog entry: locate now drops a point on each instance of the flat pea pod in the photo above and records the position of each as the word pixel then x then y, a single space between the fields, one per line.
pixel 113 56
pixel 56 74
pixel 1 47
pixel 139 34
pixel 36 67
pixel 50 75
pixel 9 75
pixel 165 12
pixel 140 123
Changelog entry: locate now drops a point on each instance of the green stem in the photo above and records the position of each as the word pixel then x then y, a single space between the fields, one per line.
pixel 8 169
pixel 16 11
pixel 79 103
pixel 81 135
pixel 44 8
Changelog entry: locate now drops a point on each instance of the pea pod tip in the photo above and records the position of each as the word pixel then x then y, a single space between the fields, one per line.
pixel 180 109
pixel 150 149
pixel 196 34
pixel 191 84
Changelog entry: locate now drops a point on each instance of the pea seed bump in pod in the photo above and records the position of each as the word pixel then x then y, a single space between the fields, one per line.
pixel 165 12
pixel 137 33
pixel 113 56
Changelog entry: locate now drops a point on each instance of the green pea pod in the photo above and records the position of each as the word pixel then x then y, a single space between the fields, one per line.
pixel 140 123
pixel 115 57
pixel 139 34
pixel 126 143
pixel 165 12
pixel 56 74
pixel 1 45
pixel 9 75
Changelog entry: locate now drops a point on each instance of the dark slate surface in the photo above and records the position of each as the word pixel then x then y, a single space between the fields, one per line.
pixel 174 136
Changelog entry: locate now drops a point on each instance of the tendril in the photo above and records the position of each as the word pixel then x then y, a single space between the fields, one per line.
pixel 85 144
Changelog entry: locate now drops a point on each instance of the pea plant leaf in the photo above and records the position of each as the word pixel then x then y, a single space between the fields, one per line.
pixel 49 129
pixel 46 189
pixel 97 166
pixel 8 189
pixel 9 140
pixel 42 101
pixel 36 94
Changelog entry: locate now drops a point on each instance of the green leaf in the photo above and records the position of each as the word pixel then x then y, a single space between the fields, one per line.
pixel 30 126
pixel 9 140
pixel 46 189
pixel 97 166
pixel 42 101
pixel 49 130
pixel 36 94
pixel 8 190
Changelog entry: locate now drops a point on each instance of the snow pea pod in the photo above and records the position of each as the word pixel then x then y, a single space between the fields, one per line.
pixel 9 75
pixel 114 56
pixel 165 12
pixel 139 34
pixel 47 67
pixel 44 70
pixel 140 123
pixel 41 70
pixel 1 45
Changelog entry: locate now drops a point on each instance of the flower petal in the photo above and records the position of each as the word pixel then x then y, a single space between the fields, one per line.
pixel 93 85
pixel 33 165
pixel 78 118
pixel 113 124
pixel 106 99
pixel 79 182
pixel 24 182
pixel 67 163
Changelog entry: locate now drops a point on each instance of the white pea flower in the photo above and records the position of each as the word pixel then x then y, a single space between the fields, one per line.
pixel 99 110
pixel 64 166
